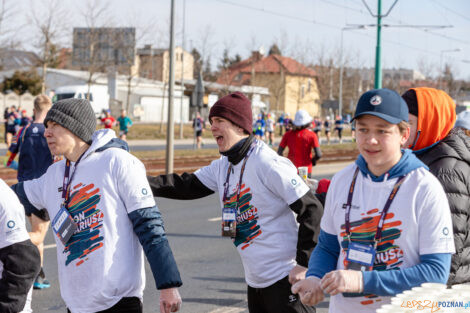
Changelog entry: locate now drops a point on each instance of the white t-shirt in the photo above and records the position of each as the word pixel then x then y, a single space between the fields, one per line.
pixel 418 222
pixel 103 260
pixel 266 227
pixel 12 224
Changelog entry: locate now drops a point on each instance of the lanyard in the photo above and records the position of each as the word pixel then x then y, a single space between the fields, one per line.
pixel 67 182
pixel 226 184
pixel 378 233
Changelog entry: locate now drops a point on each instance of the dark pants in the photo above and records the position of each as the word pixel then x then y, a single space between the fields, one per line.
pixel 125 305
pixel 276 298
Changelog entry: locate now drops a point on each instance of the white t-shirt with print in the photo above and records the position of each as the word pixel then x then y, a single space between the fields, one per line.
pixel 266 227
pixel 418 222
pixel 12 224
pixel 103 260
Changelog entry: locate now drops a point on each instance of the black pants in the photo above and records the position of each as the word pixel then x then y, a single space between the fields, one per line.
pixel 125 305
pixel 276 298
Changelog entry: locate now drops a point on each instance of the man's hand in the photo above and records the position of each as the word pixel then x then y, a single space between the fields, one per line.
pixel 170 300
pixel 309 290
pixel 296 274
pixel 340 281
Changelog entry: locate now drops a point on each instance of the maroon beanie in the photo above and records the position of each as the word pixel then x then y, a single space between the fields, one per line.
pixel 236 108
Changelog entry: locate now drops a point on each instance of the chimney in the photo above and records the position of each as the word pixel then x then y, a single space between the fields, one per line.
pixel 256 55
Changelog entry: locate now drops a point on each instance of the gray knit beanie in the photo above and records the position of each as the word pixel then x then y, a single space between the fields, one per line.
pixel 76 115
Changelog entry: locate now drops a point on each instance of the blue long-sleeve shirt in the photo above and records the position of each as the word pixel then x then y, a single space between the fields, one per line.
pixel 432 268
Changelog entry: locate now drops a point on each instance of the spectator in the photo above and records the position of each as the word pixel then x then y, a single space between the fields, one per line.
pixel 446 152
pixel 106 207
pixel 19 258
pixel 34 160
pixel 257 205
pixel 386 207
pixel 198 126
pixel 108 120
pixel 124 123
pixel 300 141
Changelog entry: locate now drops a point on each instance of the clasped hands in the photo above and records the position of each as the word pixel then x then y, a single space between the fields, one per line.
pixel 311 290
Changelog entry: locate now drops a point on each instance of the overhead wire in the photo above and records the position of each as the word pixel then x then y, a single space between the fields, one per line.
pixel 313 21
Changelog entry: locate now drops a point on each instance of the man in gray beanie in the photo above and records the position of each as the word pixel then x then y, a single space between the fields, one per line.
pixel 101 205
pixel 259 192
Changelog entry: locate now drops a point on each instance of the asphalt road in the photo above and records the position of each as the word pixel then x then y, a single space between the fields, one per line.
pixel 211 269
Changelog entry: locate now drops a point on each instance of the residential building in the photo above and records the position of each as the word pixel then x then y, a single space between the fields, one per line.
pixel 292 85
pixel 154 63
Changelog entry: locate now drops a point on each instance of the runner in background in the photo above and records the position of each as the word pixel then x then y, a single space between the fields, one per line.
pixel 300 141
pixel 34 160
pixel 198 126
pixel 259 127
pixel 339 124
pixel 270 127
pixel 317 127
pixel 124 123
pixel 327 127
pixel 108 121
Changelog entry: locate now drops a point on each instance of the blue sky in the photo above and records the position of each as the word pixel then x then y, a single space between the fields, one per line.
pixel 308 30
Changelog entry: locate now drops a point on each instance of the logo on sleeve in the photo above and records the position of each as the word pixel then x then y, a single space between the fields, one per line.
pixel 11 224
pixel 144 191
pixel 293 181
pixel 445 231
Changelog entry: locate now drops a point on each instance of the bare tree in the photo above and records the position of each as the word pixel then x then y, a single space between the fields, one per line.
pixel 8 12
pixel 51 27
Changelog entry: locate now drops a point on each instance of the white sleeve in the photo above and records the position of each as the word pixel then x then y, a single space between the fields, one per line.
pixel 282 179
pixel 35 191
pixel 208 174
pixel 132 183
pixel 434 221
pixel 12 221
pixel 326 223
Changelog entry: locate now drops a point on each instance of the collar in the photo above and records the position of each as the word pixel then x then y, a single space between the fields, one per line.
pixel 238 150
pixel 408 162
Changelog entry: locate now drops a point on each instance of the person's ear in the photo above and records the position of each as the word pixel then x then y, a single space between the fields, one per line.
pixel 404 137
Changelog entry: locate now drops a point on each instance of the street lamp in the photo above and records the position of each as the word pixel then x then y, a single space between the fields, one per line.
pixel 340 96
pixel 441 64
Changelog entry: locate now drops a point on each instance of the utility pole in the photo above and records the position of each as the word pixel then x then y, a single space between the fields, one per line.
pixel 341 69
pixel 170 123
pixel 182 72
pixel 378 52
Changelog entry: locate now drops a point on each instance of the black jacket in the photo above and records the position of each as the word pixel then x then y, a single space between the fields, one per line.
pixel 21 264
pixel 449 161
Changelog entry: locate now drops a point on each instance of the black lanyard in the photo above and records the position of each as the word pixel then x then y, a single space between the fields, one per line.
pixel 67 182
pixel 378 233
pixel 226 184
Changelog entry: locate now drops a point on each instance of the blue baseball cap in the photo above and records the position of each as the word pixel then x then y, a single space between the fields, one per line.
pixel 384 103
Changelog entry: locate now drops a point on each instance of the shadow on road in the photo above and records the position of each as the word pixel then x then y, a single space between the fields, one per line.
pixel 223 279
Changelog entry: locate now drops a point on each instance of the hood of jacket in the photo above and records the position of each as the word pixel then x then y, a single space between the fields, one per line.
pixel 104 139
pixel 436 117
pixel 408 162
